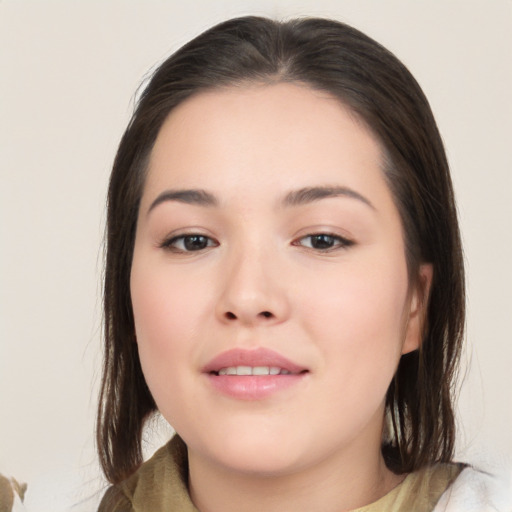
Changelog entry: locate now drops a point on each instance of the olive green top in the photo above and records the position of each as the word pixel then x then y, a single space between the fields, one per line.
pixel 160 484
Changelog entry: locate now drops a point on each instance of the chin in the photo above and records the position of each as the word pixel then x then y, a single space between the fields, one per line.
pixel 260 463
pixel 251 452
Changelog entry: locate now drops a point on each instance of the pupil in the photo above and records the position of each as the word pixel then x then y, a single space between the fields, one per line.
pixel 322 241
pixel 195 242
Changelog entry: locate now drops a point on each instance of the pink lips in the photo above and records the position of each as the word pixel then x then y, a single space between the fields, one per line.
pixel 251 387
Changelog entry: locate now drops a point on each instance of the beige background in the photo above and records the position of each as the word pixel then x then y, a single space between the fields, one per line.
pixel 69 71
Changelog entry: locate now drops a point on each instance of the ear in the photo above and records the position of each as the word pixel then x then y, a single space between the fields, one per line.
pixel 418 306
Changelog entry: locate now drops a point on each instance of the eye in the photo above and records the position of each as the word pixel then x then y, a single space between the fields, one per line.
pixel 189 243
pixel 323 242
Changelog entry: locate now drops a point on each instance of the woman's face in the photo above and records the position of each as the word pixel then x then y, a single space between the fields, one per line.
pixel 269 282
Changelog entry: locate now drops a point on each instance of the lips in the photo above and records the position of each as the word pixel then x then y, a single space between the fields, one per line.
pixel 252 374
pixel 256 358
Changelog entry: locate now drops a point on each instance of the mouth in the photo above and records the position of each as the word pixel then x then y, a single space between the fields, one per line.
pixel 252 374
pixel 256 362
pixel 254 370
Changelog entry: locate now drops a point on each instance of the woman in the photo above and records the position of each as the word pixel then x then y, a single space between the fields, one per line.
pixel 284 280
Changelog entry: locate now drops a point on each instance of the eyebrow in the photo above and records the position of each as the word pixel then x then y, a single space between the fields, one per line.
pixel 192 196
pixel 298 197
pixel 311 194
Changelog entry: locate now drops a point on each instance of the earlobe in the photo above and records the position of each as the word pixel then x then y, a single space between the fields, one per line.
pixel 418 307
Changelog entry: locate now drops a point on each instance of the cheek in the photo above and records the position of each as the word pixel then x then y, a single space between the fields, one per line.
pixel 169 301
pixel 358 319
pixel 167 313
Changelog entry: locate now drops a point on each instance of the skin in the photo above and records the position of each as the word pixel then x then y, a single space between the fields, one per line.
pixel 346 313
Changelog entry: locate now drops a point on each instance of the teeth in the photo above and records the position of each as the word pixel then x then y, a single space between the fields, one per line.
pixel 261 370
pixel 253 370
pixel 243 370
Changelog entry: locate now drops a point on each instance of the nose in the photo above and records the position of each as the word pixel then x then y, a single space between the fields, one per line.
pixel 253 291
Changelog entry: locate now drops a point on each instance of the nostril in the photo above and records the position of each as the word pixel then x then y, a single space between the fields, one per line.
pixel 231 316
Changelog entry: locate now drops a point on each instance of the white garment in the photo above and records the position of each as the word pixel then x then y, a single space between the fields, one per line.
pixel 478 491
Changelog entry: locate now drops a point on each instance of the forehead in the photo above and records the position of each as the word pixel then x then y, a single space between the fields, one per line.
pixel 278 136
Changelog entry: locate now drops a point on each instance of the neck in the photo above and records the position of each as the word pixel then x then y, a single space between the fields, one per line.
pixel 330 485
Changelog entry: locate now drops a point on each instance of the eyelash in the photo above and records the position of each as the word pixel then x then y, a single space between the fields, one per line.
pixel 335 242
pixel 171 244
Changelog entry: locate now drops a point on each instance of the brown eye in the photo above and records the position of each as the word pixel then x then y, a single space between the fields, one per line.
pixel 195 242
pixel 324 242
pixel 189 243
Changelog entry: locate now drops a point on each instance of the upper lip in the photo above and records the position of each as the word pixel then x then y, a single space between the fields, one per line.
pixel 252 357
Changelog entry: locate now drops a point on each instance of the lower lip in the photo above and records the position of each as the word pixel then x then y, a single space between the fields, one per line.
pixel 253 388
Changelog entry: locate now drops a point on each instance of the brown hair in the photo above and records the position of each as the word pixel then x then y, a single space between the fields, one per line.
pixel 336 58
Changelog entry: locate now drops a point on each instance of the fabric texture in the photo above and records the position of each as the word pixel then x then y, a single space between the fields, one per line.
pixel 160 484
pixel 479 491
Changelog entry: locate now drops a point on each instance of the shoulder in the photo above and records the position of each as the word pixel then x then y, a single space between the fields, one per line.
pixel 159 484
pixel 475 490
